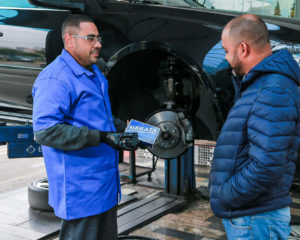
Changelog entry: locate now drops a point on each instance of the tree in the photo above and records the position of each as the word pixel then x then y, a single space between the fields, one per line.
pixel 293 11
pixel 277 9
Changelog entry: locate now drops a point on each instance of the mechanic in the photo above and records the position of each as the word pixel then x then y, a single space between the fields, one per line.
pixel 72 119
pixel 255 155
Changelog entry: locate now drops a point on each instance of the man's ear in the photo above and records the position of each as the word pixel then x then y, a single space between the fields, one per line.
pixel 244 49
pixel 68 41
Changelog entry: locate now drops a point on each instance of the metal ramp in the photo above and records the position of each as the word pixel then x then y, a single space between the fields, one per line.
pixel 147 210
pixel 19 221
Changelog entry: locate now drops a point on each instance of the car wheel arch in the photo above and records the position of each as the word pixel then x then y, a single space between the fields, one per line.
pixel 129 62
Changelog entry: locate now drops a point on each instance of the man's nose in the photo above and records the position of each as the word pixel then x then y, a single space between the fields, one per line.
pixel 98 44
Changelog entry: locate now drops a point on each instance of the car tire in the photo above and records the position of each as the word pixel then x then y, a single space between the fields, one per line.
pixel 38 195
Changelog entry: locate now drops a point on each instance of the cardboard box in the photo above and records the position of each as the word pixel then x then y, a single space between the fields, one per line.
pixel 147 133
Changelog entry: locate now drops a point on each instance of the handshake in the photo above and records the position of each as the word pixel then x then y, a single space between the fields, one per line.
pixel 120 141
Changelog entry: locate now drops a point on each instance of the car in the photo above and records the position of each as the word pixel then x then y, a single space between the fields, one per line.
pixel 163 59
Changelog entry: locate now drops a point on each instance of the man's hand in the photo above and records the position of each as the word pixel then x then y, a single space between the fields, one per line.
pixel 120 124
pixel 120 141
pixel 143 145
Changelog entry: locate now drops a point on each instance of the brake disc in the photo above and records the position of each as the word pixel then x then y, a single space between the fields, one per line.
pixel 171 141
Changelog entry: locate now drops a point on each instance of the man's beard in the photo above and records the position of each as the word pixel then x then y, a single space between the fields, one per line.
pixel 92 52
pixel 236 65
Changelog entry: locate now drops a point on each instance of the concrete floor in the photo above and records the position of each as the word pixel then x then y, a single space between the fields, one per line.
pixel 19 172
pixel 193 221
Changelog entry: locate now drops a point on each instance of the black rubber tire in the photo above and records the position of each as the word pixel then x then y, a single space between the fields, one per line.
pixel 38 195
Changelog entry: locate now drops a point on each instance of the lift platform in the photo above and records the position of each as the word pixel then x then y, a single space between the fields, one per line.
pixel 23 222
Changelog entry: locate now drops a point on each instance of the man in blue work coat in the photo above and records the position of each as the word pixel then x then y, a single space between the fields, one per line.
pixel 72 119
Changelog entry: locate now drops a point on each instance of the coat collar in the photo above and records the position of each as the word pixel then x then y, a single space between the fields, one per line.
pixel 76 68
pixel 280 62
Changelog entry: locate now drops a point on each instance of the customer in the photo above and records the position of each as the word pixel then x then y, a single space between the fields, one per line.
pixel 254 160
pixel 71 116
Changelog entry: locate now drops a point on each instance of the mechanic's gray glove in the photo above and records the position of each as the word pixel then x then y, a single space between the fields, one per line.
pixel 120 124
pixel 120 141
pixel 144 145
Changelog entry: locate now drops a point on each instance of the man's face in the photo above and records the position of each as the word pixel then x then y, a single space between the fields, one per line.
pixel 231 50
pixel 85 51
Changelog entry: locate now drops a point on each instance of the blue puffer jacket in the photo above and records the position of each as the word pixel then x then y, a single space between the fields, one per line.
pixel 254 160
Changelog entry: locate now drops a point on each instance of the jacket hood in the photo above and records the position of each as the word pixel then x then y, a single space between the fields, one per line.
pixel 281 62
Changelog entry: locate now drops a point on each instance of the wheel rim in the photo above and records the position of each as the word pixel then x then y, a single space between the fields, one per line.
pixel 43 184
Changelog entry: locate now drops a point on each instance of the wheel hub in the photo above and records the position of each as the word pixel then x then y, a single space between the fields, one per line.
pixel 171 141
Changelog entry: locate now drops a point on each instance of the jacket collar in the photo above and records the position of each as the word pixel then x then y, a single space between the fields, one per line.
pixel 280 62
pixel 76 68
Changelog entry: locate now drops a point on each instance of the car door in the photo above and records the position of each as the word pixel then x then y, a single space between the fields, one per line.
pixel 30 39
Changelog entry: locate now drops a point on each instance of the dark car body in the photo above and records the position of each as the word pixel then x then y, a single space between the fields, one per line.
pixel 145 43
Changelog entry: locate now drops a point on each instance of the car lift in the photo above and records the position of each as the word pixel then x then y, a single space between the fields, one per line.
pixel 179 172
pixel 20 141
pixel 179 184
pixel 131 170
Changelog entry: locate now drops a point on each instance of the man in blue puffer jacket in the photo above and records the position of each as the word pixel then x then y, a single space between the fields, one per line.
pixel 254 160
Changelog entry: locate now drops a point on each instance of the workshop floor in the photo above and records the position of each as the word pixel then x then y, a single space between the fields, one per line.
pixel 196 220
pixel 193 221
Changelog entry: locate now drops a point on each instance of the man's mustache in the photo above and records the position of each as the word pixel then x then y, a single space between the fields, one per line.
pixel 95 50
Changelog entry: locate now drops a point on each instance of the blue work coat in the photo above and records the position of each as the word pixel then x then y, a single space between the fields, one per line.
pixel 83 182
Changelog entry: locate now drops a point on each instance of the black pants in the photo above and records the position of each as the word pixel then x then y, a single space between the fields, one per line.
pixel 99 227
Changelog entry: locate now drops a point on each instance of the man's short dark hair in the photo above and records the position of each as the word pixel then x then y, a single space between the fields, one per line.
pixel 74 21
pixel 250 30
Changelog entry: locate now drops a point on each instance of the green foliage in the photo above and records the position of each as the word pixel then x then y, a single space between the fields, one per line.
pixel 292 14
pixel 277 9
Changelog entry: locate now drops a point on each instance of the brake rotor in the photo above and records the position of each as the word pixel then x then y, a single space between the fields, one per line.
pixel 171 140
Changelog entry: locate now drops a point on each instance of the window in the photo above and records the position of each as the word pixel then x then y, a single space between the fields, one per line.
pixel 280 8
pixel 174 3
pixel 16 3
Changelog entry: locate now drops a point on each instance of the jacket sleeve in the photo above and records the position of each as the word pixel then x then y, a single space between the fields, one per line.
pixel 50 106
pixel 270 128
pixel 66 137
